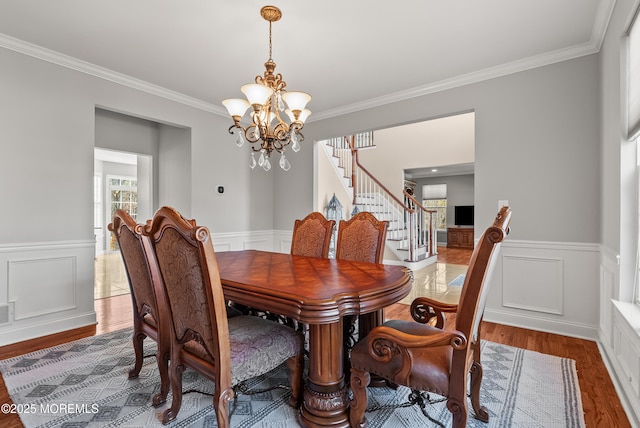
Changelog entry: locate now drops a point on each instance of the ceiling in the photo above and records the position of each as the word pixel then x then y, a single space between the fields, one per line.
pixel 349 55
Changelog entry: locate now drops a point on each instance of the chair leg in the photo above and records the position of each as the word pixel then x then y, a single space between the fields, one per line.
pixel 221 405
pixel 359 382
pixel 459 410
pixel 476 381
pixel 175 372
pixel 296 367
pixel 162 357
pixel 138 339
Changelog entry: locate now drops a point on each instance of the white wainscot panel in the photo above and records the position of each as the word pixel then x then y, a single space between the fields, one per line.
pixel 45 288
pixel 236 241
pixel 42 286
pixel 533 283
pixel 626 345
pixel 609 279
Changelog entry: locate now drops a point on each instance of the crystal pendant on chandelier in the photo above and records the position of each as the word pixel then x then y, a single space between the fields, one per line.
pixel 252 162
pixel 239 138
pixel 266 165
pixel 284 163
pixel 295 142
pixel 262 158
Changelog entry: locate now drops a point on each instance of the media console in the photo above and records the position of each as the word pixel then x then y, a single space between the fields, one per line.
pixel 460 237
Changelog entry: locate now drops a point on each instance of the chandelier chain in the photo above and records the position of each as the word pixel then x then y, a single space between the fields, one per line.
pixel 270 54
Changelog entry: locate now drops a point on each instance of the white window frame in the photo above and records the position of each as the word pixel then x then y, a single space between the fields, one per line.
pixel 110 188
pixel 633 123
pixel 438 192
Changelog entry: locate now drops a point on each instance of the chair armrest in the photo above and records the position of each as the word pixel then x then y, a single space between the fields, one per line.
pixel 383 342
pixel 424 308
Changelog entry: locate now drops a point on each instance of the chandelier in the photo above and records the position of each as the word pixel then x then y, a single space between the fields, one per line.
pixel 269 99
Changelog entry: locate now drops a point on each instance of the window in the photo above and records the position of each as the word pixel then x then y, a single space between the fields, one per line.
pixel 633 115
pixel 123 193
pixel 636 291
pixel 97 201
pixel 634 78
pixel 434 197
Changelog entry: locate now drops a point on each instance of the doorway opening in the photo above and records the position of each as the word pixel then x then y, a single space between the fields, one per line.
pixel 119 182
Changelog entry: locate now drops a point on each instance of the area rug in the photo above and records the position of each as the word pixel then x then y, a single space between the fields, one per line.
pixel 84 384
pixel 458 281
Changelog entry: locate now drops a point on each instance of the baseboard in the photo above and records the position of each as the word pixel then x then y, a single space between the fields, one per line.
pixel 33 331
pixel 562 327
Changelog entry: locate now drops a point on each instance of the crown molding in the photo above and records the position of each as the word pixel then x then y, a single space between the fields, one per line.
pixel 601 23
pixel 72 63
pixel 465 79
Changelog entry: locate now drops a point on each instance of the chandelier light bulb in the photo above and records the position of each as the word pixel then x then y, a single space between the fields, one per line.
pixel 296 100
pixel 257 94
pixel 236 107
pixel 302 115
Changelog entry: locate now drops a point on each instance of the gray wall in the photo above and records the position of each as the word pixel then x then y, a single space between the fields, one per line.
pixel 460 191
pixel 47 118
pixel 536 146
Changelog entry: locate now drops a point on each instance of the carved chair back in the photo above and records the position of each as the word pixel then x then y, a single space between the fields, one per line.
pixel 362 238
pixel 481 265
pixel 312 236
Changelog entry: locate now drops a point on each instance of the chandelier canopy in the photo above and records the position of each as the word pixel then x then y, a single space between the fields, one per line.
pixel 269 99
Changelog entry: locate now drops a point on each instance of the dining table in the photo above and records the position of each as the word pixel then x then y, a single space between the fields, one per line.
pixel 318 292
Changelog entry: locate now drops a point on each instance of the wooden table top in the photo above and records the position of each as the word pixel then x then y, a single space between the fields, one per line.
pixel 309 289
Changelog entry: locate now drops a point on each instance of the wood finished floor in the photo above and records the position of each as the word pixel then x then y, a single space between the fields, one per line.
pixel 599 399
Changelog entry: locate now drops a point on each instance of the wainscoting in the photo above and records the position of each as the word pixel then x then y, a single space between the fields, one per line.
pixel 619 330
pixel 546 286
pixel 45 288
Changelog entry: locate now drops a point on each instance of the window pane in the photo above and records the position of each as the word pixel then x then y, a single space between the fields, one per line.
pixel 123 193
pixel 440 217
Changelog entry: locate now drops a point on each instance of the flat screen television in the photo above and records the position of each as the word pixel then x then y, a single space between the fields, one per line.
pixel 463 215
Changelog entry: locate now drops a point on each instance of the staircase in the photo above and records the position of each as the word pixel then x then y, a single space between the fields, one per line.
pixel 410 235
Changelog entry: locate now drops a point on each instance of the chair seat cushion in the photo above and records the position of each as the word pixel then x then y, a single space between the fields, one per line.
pixel 431 365
pixel 259 345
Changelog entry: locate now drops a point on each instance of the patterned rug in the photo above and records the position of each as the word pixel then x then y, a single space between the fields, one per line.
pixel 458 281
pixel 84 384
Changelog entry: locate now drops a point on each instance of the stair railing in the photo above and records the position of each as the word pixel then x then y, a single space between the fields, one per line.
pixel 425 228
pixel 406 220
pixel 410 223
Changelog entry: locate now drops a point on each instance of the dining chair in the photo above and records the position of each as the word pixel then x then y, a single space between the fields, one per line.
pixel 362 239
pixel 312 236
pixel 145 308
pixel 430 358
pixel 227 351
